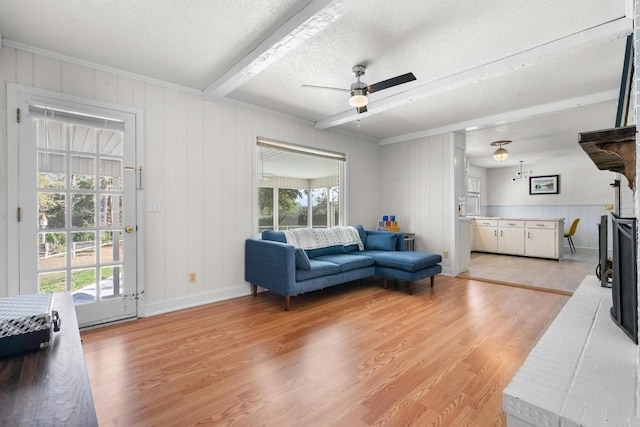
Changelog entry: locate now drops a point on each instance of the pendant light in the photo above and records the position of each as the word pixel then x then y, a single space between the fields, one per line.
pixel 521 174
pixel 500 154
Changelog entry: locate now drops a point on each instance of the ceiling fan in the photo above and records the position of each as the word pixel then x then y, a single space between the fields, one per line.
pixel 359 90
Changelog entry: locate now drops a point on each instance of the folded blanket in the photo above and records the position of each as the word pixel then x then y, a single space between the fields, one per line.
pixel 313 238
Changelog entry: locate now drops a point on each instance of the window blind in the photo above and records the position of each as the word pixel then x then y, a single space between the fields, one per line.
pixel 279 145
pixel 71 117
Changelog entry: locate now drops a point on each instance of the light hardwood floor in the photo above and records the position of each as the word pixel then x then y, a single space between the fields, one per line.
pixel 562 276
pixel 350 355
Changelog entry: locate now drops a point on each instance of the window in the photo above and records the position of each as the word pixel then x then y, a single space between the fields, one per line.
pixel 473 196
pixel 265 211
pixel 292 208
pixel 298 187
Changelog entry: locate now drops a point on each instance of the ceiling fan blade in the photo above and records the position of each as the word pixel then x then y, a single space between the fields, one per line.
pixel 361 109
pixel 395 81
pixel 325 87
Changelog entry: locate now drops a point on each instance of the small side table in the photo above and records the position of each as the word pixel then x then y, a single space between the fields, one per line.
pixel 409 241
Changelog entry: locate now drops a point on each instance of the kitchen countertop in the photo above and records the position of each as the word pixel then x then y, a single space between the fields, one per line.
pixel 518 219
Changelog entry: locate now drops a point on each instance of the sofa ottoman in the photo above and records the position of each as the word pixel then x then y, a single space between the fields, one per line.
pixel 409 266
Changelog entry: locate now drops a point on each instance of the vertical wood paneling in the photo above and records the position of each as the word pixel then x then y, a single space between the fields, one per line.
pixel 365 189
pixel 415 193
pixel 416 182
pixel 24 68
pixel 175 188
pixel 244 187
pixel 7 73
pixel 590 218
pixel 8 61
pixel 228 177
pixel 139 95
pixel 213 202
pixel 106 86
pixel 439 197
pixel 154 175
pixel 47 73
pixel 78 80
pixel 124 91
pixel 195 192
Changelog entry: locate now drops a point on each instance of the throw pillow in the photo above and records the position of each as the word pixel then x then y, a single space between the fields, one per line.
pixel 362 233
pixel 302 260
pixel 381 242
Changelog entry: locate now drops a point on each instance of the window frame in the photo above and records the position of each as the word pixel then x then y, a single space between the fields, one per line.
pixel 473 196
pixel 278 183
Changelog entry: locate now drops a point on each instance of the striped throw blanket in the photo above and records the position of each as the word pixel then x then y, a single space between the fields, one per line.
pixel 313 238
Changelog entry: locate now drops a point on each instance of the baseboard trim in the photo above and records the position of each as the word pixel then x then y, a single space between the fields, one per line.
pixel 194 300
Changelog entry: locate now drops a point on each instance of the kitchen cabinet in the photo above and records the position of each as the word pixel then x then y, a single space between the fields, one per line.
pixel 511 237
pixel 486 231
pixel 540 238
pixel 543 240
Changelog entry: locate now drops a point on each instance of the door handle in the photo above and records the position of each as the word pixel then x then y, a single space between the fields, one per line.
pixel 128 229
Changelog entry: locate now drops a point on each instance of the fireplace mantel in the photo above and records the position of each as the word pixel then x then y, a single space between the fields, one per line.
pixel 613 149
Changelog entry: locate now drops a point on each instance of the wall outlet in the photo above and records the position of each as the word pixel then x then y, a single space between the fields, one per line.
pixel 446 254
pixel 192 277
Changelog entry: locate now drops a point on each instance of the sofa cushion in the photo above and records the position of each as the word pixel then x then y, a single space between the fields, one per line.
pixel 348 261
pixel 381 242
pixel 302 260
pixel 318 269
pixel 328 250
pixel 276 236
pixel 407 260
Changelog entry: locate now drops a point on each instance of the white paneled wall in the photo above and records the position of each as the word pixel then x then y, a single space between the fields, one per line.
pixel 199 160
pixel 584 193
pixel 417 189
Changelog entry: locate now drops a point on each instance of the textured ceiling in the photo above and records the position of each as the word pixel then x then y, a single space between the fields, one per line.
pixel 536 72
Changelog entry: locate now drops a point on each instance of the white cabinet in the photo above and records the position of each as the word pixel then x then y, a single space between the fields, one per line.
pixel 540 238
pixel 486 235
pixel 511 237
pixel 543 240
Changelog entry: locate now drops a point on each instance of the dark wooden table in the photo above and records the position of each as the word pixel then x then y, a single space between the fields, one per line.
pixel 49 387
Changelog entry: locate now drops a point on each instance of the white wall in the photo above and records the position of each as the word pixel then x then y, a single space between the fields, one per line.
pixel 581 182
pixel 417 188
pixel 199 160
pixel 584 192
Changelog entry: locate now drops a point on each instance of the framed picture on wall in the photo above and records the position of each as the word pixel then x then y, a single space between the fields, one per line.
pixel 548 184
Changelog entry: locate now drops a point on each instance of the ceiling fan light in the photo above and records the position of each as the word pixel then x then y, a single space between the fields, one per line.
pixel 501 154
pixel 358 98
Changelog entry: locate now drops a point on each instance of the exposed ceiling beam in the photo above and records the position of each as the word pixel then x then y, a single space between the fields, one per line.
pixel 600 34
pixel 507 117
pixel 312 19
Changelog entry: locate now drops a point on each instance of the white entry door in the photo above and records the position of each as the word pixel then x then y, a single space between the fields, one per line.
pixel 77 205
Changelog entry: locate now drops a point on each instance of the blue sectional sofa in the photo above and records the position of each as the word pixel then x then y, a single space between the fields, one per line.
pixel 276 263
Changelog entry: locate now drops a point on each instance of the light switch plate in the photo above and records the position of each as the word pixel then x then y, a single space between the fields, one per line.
pixel 154 206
